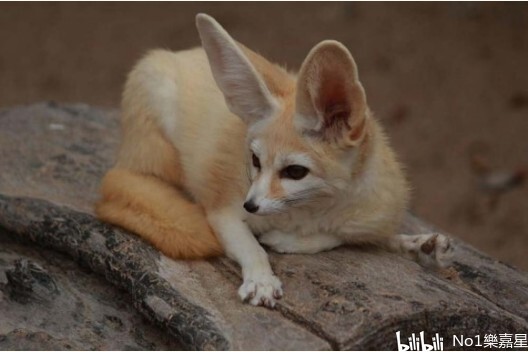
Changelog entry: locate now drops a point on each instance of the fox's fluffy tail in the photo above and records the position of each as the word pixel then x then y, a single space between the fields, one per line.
pixel 157 212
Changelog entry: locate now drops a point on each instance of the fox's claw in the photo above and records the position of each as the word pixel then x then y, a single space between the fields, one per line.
pixel 261 290
pixel 436 251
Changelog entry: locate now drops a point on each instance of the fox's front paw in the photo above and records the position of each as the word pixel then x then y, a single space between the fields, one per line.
pixel 261 290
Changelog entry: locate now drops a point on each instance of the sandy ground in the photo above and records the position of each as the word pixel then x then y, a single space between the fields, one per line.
pixel 449 82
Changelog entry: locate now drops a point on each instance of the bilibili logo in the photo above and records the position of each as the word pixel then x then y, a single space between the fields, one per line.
pixel 418 343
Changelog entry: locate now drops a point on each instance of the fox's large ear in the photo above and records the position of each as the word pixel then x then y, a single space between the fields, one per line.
pixel 245 92
pixel 331 102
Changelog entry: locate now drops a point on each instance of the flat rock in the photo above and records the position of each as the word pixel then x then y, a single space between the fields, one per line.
pixel 52 158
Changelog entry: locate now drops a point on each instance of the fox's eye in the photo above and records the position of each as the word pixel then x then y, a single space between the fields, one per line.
pixel 256 161
pixel 295 172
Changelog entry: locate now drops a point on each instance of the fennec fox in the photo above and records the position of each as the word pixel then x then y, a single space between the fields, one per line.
pixel 220 145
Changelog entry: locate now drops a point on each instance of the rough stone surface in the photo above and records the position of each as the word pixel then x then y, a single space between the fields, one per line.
pixel 47 302
pixel 52 158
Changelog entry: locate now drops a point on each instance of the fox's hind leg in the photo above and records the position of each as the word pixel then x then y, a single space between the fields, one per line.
pixel 158 212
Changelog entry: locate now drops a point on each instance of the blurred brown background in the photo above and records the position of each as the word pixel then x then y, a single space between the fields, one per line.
pixel 449 81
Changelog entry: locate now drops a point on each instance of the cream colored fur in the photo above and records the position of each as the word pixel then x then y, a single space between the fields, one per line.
pixel 191 122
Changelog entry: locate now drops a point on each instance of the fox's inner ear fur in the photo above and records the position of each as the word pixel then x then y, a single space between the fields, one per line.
pixel 330 99
pixel 245 92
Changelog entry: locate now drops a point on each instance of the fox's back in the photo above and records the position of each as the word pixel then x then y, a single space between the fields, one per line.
pixel 180 96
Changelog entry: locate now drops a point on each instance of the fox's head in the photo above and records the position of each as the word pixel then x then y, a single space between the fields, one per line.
pixel 307 134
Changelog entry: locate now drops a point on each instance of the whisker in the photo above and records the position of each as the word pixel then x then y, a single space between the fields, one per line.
pixel 305 197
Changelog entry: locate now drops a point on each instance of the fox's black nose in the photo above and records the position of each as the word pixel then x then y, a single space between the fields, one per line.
pixel 251 207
